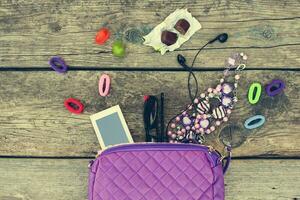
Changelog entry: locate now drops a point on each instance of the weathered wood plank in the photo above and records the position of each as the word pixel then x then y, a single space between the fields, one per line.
pixel 32 32
pixel 35 179
pixel 34 121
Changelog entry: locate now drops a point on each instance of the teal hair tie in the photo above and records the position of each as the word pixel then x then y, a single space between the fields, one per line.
pixel 254 122
pixel 254 93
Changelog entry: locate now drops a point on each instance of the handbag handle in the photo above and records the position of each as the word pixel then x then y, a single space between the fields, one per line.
pixel 227 160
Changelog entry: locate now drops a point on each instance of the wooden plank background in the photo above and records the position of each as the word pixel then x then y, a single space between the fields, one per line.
pixel 44 150
pixel 63 179
pixel 33 31
pixel 35 123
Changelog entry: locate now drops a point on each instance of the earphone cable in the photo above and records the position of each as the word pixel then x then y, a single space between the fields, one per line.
pixel 192 98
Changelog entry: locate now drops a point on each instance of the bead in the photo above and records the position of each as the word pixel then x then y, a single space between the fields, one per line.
pixel 241 54
pixel 215 91
pixel 186 121
pixel 219 112
pixel 212 128
pixel 193 128
pixel 179 133
pixel 211 95
pixel 201 130
pixel 254 122
pixel 209 90
pixel 171 141
pixel 184 113
pixel 118 49
pixel 102 36
pixel 231 61
pixel 218 88
pixel 225 119
pixel 222 80
pixel 197 131
pixel 196 100
pixel 208 131
pixel 245 57
pixel 202 95
pixel 235 85
pixel 226 101
pixel 173 136
pixel 177 119
pixel 183 130
pixel 173 125
pixel 204 123
pixel 58 64
pixel 74 105
pixel 228 111
pixel 254 93
pixel 104 85
pixel 204 116
pixel 218 123
pixel 169 133
pixel 226 88
pixel 235 99
pixel 188 128
pixel 180 137
pixel 203 107
pixel 197 126
pixel 198 116
pixel 237 77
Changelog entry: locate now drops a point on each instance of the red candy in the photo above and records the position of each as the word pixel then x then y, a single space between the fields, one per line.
pixel 102 36
pixel 74 105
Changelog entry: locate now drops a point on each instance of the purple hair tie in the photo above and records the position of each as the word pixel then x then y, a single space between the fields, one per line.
pixel 58 64
pixel 279 86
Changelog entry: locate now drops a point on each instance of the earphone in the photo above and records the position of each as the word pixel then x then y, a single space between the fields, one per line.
pixel 181 59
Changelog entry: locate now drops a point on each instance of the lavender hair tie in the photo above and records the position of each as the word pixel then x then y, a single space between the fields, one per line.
pixel 58 64
pixel 278 84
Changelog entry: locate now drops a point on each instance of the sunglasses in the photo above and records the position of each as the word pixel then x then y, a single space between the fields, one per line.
pixel 154 118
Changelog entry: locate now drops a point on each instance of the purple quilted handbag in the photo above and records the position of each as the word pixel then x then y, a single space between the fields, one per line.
pixel 157 171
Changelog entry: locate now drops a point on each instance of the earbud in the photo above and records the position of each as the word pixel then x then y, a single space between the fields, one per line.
pixel 221 38
pixel 182 61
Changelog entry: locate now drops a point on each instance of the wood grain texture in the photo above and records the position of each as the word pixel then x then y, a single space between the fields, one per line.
pixel 67 179
pixel 33 31
pixel 34 121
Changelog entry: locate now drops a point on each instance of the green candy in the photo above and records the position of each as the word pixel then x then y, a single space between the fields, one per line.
pixel 118 49
pixel 254 93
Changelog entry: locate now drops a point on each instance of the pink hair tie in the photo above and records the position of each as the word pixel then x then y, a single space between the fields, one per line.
pixel 104 85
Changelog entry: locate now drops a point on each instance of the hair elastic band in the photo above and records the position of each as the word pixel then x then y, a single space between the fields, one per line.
pixel 58 64
pixel 104 85
pixel 254 93
pixel 74 105
pixel 254 122
pixel 275 87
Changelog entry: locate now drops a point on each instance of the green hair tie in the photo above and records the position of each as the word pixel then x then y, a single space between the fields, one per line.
pixel 254 93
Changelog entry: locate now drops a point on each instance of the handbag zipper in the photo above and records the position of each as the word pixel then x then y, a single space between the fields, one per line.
pixel 114 148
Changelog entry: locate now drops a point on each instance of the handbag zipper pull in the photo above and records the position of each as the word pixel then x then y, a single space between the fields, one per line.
pixel 90 164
